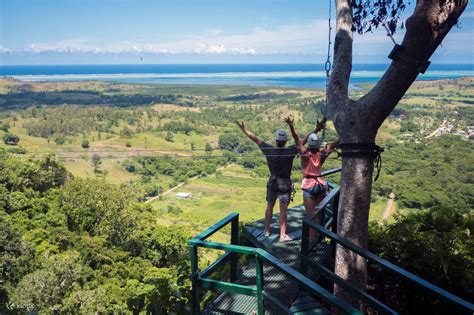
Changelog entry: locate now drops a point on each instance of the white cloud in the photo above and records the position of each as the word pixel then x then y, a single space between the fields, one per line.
pixel 75 45
pixel 302 38
pixel 297 38
pixel 4 50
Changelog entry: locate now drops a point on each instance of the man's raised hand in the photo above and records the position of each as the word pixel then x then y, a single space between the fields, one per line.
pixel 240 124
pixel 289 121
pixel 320 125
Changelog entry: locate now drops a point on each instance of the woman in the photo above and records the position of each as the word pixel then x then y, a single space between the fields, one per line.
pixel 312 159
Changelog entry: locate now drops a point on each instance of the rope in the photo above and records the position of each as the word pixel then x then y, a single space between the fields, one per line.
pixel 389 33
pixel 364 150
pixel 327 68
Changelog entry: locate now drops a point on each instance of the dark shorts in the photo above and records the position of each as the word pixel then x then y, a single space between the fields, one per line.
pixel 315 191
pixel 273 195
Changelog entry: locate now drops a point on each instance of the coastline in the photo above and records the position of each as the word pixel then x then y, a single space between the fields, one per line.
pixel 258 75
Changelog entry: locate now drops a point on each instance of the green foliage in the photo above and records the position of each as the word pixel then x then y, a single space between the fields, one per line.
pixel 83 246
pixel 434 244
pixel 179 169
pixel 16 258
pixel 169 136
pixel 428 174
pixel 229 142
pixel 4 126
pixel 85 144
pixel 160 245
pixel 59 140
pixel 99 208
pixel 96 162
pixel 11 139
pixel 46 288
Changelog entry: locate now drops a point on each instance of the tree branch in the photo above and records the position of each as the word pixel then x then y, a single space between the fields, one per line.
pixel 426 28
pixel 339 81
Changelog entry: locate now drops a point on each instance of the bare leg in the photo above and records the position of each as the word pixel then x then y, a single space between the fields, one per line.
pixel 309 205
pixel 283 219
pixel 268 216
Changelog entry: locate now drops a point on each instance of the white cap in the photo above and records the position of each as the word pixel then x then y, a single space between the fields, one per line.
pixel 313 141
pixel 281 135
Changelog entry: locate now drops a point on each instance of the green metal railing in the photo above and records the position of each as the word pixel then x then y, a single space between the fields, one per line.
pixel 330 223
pixel 201 280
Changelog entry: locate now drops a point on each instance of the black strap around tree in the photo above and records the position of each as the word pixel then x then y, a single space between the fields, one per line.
pixel 398 53
pixel 363 150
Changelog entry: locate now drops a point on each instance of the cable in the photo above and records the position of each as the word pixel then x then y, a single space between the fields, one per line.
pixel 171 151
pixel 172 156
pixel 389 33
pixel 327 68
pixel 87 154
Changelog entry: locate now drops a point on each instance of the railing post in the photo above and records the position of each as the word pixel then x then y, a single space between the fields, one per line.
pixel 194 279
pixel 335 209
pixel 234 240
pixel 304 248
pixel 260 302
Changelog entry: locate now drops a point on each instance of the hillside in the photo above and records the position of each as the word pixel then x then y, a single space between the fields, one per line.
pixel 86 167
pixel 187 122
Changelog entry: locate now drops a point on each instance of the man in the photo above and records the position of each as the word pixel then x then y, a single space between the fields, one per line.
pixel 280 162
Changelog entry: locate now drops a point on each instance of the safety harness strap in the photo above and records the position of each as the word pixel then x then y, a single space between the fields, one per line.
pixel 364 150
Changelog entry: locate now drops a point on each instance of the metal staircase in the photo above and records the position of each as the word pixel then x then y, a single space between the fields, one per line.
pixel 292 277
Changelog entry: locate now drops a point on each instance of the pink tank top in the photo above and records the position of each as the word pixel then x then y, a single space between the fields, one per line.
pixel 312 168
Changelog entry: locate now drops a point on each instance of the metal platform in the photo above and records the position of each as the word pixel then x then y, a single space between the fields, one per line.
pixel 280 278
pixel 285 290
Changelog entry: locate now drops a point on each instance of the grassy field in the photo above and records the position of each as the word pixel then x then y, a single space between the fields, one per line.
pixel 234 189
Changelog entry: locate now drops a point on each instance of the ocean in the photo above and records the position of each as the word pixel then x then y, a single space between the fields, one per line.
pixel 284 75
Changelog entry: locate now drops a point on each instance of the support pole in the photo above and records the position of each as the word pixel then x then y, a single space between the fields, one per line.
pixel 194 279
pixel 304 248
pixel 260 284
pixel 234 240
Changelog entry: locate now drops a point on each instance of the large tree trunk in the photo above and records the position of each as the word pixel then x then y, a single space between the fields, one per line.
pixel 358 121
pixel 356 186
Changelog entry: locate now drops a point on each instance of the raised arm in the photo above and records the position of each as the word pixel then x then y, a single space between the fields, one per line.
pixel 320 125
pixel 298 141
pixel 248 133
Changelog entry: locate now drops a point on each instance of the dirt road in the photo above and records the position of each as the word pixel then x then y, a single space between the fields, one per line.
pixel 390 207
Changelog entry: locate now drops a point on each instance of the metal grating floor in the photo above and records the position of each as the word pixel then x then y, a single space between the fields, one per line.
pixel 276 283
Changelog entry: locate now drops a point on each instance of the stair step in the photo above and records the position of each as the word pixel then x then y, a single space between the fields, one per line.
pixel 305 306
pixel 318 311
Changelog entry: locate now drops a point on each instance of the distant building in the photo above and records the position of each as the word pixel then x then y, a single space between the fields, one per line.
pixel 184 195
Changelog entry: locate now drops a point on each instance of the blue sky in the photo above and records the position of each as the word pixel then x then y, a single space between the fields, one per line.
pixel 189 31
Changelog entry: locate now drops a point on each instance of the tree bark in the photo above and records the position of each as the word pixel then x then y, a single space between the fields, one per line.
pixel 359 121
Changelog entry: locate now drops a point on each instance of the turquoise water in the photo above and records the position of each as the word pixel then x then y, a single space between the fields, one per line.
pixel 286 75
